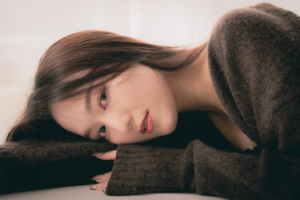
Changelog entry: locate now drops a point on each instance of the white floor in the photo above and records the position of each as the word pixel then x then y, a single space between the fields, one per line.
pixel 83 192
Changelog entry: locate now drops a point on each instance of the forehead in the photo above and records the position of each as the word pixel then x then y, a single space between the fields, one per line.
pixel 72 103
pixel 70 114
pixel 68 107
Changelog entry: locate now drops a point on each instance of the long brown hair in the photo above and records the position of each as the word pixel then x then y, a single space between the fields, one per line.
pixel 101 54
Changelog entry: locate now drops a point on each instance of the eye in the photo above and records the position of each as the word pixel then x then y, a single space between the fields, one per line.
pixel 102 99
pixel 102 132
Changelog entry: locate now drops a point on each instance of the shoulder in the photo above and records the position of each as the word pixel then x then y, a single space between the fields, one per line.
pixel 262 31
pixel 260 21
pixel 253 56
pixel 260 13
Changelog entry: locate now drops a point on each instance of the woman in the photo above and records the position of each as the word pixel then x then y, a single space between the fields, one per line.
pixel 101 85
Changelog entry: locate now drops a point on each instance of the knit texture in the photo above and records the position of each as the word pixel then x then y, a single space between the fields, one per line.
pixel 254 62
pixel 49 157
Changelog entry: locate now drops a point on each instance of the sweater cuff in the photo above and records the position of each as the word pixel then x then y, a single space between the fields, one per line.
pixel 144 169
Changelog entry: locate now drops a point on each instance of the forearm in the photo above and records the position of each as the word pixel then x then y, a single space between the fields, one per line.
pixel 201 169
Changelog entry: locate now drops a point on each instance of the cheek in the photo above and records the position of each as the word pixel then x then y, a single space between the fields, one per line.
pixel 117 139
pixel 148 89
pixel 131 138
pixel 132 91
pixel 168 123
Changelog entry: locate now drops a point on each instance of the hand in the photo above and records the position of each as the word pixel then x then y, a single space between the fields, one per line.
pixel 103 179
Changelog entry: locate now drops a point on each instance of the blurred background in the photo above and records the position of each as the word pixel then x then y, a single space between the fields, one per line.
pixel 29 27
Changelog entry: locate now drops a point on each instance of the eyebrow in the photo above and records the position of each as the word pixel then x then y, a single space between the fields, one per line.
pixel 88 107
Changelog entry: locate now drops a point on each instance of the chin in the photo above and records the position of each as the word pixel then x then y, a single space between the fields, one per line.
pixel 169 125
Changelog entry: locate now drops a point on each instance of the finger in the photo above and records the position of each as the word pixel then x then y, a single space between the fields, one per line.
pixel 99 187
pixel 110 155
pixel 102 177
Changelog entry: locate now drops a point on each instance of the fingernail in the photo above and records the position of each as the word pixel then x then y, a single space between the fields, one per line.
pixel 97 187
pixel 93 187
pixel 98 177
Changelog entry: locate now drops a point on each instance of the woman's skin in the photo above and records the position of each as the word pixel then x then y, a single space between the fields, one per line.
pixel 140 90
pixel 131 95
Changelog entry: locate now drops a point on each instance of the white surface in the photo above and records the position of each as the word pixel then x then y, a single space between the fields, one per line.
pixel 83 192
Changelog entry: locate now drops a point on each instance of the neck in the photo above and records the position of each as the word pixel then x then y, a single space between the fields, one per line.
pixel 193 89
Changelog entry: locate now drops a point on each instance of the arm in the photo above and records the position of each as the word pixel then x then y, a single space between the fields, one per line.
pixel 204 170
pixel 38 164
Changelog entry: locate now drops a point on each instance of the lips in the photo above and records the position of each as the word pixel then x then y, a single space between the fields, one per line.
pixel 149 127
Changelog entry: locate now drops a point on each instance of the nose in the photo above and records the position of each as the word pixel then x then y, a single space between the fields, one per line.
pixel 119 122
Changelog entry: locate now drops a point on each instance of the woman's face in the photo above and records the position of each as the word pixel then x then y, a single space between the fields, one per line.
pixel 135 106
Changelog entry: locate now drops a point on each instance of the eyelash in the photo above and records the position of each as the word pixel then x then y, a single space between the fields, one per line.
pixel 103 130
pixel 100 98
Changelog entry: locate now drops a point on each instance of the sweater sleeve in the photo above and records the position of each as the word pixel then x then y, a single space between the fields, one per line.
pixel 30 164
pixel 204 170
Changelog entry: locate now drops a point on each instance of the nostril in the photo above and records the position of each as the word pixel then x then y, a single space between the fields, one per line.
pixel 126 119
pixel 129 123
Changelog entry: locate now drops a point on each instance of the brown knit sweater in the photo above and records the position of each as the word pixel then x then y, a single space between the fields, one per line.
pixel 254 60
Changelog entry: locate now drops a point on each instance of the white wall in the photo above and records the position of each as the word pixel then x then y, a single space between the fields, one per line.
pixel 28 27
